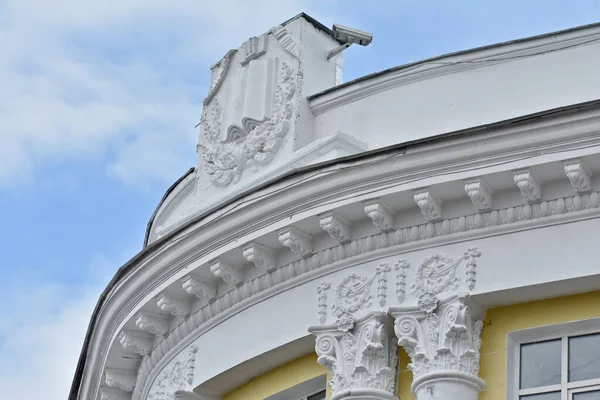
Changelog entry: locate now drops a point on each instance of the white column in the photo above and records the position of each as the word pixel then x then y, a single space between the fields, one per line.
pixel 443 341
pixel 362 357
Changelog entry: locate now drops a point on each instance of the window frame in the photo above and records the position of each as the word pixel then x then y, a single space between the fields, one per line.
pixel 302 390
pixel 562 331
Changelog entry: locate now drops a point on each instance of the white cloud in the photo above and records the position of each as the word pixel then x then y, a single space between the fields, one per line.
pixel 121 80
pixel 39 355
pixel 42 332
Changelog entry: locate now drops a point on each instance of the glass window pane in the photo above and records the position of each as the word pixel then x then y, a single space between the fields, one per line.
pixel 543 396
pixel 320 396
pixel 593 395
pixel 540 364
pixel 584 357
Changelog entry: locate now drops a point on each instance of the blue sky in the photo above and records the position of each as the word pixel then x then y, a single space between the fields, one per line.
pixel 98 105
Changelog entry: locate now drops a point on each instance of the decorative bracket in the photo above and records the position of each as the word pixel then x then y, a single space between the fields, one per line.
pixel 337 227
pixel 136 342
pixel 261 256
pixel 199 288
pixel 155 324
pixel 120 379
pixel 529 186
pixel 579 176
pixel 480 194
pixel 362 361
pixel 430 205
pixel 295 240
pixel 174 305
pixel 380 214
pixel 227 273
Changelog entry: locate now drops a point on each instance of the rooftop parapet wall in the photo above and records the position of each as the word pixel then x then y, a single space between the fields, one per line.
pixel 256 124
pixel 466 89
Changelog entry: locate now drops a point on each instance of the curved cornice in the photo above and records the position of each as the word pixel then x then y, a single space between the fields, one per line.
pixel 173 189
pixel 315 190
pixel 451 63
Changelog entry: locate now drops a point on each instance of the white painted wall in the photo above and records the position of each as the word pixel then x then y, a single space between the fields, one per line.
pixel 474 95
pixel 508 262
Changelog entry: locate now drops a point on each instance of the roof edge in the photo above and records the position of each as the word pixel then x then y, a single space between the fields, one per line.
pixel 161 202
pixel 314 23
pixel 452 54
pixel 75 387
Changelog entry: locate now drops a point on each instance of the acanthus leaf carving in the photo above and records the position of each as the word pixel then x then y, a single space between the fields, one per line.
pixel 364 358
pixel 173 305
pixel 528 184
pixel 136 342
pixel 178 377
pixel 430 205
pixel 227 273
pixel 446 339
pixel 579 175
pixel 509 218
pixel 260 255
pixel 380 214
pixel 120 379
pixel 202 290
pixel 337 227
pixel 480 194
pixel 295 240
pixel 155 324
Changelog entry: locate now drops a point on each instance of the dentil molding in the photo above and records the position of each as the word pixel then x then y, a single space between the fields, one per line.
pixel 412 236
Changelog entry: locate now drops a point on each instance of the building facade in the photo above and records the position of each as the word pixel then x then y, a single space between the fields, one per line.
pixel 430 231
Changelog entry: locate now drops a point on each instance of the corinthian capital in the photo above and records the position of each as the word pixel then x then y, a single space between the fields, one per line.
pixel 443 344
pixel 362 360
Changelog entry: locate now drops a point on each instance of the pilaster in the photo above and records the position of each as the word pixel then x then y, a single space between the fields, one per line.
pixel 443 343
pixel 362 360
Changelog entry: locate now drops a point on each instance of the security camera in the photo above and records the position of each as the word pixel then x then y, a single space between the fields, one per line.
pixel 350 35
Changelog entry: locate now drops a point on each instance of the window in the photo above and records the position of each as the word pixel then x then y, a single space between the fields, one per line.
pixel 312 389
pixel 321 395
pixel 560 362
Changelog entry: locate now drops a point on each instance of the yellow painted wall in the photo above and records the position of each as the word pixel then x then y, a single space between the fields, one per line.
pixel 279 379
pixel 498 323
pixel 501 320
pixel 405 376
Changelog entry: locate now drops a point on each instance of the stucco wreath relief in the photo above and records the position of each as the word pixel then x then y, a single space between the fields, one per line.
pixel 435 274
pixel 255 142
pixel 440 336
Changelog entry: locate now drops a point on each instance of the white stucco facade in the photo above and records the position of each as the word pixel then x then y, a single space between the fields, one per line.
pixel 389 211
